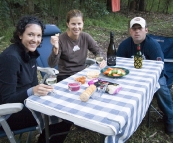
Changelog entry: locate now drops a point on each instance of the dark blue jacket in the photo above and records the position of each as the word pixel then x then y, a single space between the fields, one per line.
pixel 150 49
pixel 18 73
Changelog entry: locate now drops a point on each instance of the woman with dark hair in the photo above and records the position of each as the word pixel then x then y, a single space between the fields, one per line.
pixel 18 73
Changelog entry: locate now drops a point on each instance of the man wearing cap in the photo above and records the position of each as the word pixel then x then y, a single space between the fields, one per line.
pixel 151 50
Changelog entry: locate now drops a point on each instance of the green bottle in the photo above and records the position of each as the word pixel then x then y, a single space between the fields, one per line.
pixel 138 58
pixel 111 52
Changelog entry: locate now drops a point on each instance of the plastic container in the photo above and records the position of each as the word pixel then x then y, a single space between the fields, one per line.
pixel 81 79
pixel 74 86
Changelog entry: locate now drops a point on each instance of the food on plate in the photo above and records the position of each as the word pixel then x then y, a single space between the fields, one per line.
pixel 93 74
pixel 87 93
pixel 114 72
pixel 81 79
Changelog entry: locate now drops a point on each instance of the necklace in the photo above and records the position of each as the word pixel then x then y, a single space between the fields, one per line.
pixel 74 43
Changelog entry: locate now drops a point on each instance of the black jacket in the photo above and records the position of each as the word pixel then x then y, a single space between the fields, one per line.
pixel 18 73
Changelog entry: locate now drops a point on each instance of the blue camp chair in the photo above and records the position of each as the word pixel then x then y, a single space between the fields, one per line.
pixel 44 51
pixel 46 46
pixel 166 44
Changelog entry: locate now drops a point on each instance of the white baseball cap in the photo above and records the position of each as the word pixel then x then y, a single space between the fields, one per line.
pixel 138 20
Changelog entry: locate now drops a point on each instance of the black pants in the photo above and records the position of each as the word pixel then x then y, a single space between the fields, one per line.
pixel 54 129
pixel 24 119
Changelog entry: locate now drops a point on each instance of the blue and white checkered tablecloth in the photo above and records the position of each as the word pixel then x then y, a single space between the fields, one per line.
pixel 122 112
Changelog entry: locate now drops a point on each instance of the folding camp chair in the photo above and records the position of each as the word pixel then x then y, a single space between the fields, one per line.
pixel 166 44
pixel 11 108
pixel 46 47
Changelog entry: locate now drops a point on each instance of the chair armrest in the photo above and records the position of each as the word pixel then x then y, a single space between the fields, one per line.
pixel 168 60
pixel 10 108
pixel 48 70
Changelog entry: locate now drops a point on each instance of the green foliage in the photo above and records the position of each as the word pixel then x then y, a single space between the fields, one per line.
pixel 161 6
pixel 4 14
pixel 94 9
pixel 101 27
pixel 7 33
pixel 54 11
pixel 10 10
pixel 156 5
pixel 111 21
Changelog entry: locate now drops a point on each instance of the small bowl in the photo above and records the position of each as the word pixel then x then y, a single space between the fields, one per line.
pixel 74 86
pixel 81 79
pixel 93 74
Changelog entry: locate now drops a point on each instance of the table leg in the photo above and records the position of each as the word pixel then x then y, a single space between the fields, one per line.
pixel 148 121
pixel 46 121
pixel 102 138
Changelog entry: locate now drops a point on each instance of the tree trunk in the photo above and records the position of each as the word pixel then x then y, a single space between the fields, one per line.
pixel 167 3
pixel 141 4
pixel 136 5
pixel 151 6
pixel 132 5
pixel 109 5
pixel 30 7
pixel 11 13
pixel 158 8
pixel 81 2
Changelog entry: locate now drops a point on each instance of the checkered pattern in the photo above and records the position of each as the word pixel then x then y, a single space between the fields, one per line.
pixel 122 112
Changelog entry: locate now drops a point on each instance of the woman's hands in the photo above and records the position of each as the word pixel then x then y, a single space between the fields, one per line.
pixel 42 89
pixel 55 42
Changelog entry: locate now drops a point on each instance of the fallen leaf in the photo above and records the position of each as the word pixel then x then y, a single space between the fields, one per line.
pixel 153 135
pixel 142 140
